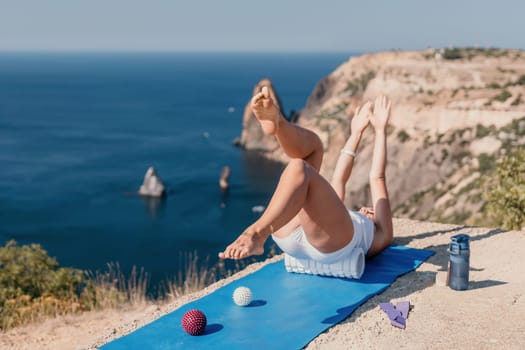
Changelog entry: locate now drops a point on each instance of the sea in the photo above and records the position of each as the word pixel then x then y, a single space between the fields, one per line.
pixel 78 130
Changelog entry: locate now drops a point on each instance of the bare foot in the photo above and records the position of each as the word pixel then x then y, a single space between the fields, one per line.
pixel 266 111
pixel 379 119
pixel 247 244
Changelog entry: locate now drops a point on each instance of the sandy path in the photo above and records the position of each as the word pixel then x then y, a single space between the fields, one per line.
pixel 491 314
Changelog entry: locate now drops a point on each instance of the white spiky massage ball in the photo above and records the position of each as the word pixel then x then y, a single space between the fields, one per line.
pixel 242 296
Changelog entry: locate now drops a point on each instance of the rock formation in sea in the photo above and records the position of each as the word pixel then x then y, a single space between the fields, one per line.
pixel 455 112
pixel 224 179
pixel 152 185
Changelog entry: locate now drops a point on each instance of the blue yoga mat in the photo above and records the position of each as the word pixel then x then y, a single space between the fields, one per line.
pixel 288 310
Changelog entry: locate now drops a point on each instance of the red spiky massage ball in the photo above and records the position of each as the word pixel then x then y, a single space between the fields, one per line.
pixel 194 322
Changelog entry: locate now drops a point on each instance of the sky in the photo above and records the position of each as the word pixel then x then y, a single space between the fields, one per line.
pixel 270 25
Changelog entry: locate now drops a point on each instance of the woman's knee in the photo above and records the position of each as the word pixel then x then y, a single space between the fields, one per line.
pixel 318 144
pixel 316 157
pixel 298 168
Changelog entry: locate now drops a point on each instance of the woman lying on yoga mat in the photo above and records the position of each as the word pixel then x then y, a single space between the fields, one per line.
pixel 306 215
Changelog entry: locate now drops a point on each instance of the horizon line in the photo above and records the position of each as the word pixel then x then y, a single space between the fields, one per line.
pixel 3 50
pixel 276 51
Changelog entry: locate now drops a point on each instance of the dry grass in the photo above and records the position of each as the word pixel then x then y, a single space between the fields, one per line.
pixel 24 310
pixel 191 277
pixel 113 289
pixel 194 276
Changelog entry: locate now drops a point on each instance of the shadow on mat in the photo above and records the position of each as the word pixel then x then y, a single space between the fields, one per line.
pixel 256 303
pixel 212 328
pixel 342 313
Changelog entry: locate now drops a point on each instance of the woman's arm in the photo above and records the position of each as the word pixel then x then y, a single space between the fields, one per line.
pixel 345 162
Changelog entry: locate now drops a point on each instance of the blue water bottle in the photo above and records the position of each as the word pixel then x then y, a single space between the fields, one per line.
pixel 459 262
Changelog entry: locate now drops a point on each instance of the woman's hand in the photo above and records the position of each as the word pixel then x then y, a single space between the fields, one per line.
pixel 379 118
pixel 360 120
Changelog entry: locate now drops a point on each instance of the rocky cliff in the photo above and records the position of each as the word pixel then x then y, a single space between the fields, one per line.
pixel 455 112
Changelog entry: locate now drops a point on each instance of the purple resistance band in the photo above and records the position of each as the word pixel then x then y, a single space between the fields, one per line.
pixel 397 314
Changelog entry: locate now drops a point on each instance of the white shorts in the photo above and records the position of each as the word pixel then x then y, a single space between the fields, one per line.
pixel 297 246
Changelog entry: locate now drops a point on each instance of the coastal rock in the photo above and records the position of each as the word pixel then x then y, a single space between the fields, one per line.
pixel 152 185
pixel 224 180
pixel 252 136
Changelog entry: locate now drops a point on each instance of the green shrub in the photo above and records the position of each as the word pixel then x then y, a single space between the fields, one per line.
pixel 505 191
pixel 403 136
pixel 486 162
pixel 444 154
pixel 503 96
pixel 358 86
pixel 28 270
pixel 482 130
pixel 452 54
pixel 517 101
pixel 517 127
pixel 471 52
pixel 33 285
pixel 459 156
pixel 521 80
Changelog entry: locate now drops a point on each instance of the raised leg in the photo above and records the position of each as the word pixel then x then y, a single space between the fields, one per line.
pixel 297 142
pixel 382 214
pixel 302 197
pixel 305 196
